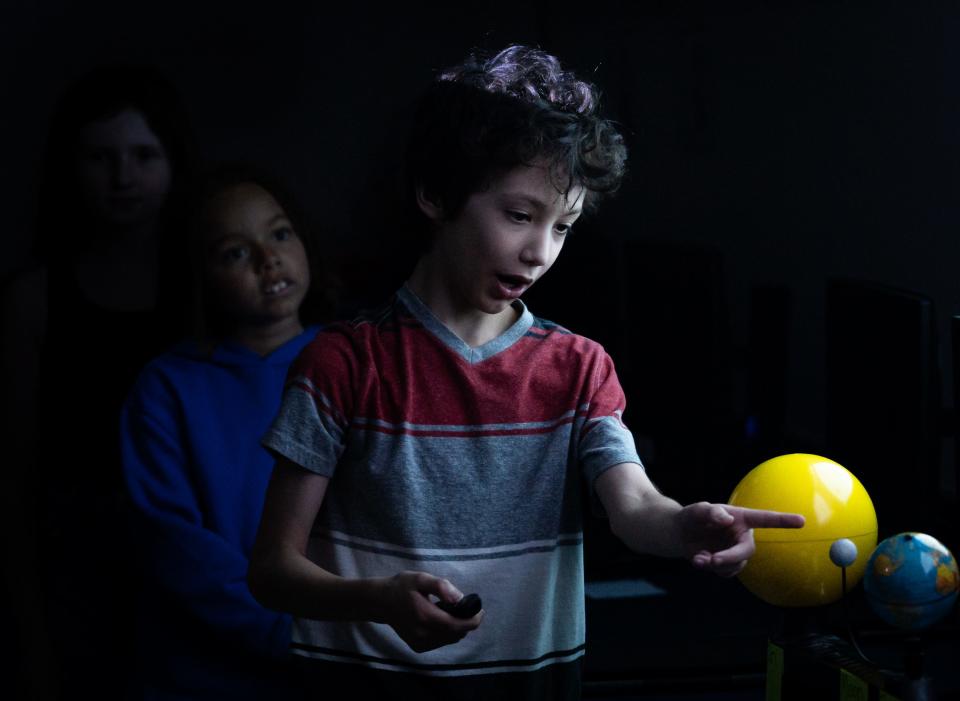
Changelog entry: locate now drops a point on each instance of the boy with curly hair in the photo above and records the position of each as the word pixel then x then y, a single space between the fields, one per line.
pixel 441 445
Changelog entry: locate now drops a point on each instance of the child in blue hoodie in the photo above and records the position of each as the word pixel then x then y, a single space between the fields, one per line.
pixel 192 461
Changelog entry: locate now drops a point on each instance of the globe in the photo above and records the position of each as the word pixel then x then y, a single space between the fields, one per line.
pixel 793 567
pixel 911 581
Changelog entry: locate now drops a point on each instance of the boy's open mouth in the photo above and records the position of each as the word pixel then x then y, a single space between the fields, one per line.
pixel 276 287
pixel 514 282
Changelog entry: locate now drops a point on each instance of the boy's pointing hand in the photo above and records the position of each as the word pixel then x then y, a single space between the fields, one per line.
pixel 719 537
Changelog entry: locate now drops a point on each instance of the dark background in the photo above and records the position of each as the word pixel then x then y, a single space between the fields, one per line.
pixel 799 140
pixel 773 146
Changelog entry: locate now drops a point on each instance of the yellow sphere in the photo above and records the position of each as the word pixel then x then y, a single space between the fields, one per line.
pixel 792 567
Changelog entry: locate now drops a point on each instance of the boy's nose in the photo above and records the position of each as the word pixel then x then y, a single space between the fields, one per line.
pixel 270 259
pixel 536 252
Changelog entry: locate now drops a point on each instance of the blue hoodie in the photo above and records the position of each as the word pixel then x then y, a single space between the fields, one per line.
pixel 197 476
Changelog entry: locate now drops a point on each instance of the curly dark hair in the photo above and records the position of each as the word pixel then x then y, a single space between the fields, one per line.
pixel 517 107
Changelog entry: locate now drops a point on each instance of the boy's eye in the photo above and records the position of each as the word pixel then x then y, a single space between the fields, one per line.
pixel 283 233
pixel 234 254
pixel 564 229
pixel 518 216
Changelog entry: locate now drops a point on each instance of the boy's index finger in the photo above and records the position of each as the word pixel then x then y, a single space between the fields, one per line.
pixel 761 518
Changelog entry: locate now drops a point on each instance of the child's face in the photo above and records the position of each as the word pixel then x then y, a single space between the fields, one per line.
pixel 123 169
pixel 255 264
pixel 505 238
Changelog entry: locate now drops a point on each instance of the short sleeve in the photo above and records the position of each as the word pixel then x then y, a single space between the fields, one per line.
pixel 319 395
pixel 604 439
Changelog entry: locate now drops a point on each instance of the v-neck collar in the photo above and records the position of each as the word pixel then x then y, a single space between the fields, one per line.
pixel 425 316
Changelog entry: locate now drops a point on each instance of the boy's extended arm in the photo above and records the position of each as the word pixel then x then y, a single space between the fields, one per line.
pixel 282 577
pixel 715 537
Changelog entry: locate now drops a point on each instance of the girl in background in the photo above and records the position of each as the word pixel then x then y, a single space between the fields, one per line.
pixel 192 459
pixel 77 325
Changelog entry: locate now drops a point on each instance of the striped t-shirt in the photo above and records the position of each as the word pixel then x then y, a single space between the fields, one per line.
pixel 466 463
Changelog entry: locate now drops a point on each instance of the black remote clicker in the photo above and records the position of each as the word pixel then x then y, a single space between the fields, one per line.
pixel 467 607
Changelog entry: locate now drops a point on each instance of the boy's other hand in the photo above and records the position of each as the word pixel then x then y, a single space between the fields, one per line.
pixel 719 537
pixel 417 619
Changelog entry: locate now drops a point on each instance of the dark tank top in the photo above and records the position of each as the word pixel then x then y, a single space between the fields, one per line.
pixel 90 358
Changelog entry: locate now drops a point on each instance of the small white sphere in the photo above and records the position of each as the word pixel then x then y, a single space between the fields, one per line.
pixel 843 552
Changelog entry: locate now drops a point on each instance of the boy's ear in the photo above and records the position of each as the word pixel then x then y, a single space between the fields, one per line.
pixel 429 204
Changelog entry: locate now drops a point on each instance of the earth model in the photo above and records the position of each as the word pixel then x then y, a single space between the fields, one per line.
pixel 911 581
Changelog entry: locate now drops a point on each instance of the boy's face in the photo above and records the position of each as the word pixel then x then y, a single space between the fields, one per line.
pixel 255 264
pixel 504 238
